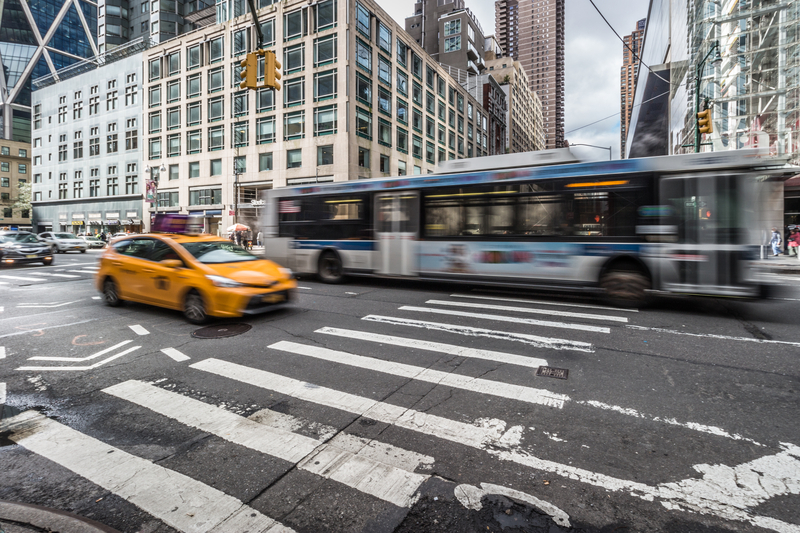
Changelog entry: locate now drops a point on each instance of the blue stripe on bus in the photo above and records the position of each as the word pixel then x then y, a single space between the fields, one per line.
pixel 356 246
pixel 610 249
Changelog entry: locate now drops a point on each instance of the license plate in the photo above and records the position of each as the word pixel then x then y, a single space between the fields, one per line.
pixel 273 298
pixel 30 256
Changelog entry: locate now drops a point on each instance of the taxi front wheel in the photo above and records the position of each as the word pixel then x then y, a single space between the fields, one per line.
pixel 194 309
pixel 111 294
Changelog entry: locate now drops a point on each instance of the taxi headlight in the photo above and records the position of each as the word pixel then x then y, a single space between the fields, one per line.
pixel 286 272
pixel 220 281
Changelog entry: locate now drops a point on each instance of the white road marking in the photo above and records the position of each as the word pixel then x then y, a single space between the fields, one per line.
pixel 305 288
pixel 174 498
pixel 531 310
pixel 83 271
pixel 139 330
pixel 95 297
pixel 500 318
pixel 2 393
pixel 452 349
pixel 48 327
pixel 2 352
pixel 452 430
pixel 79 359
pixel 712 336
pixel 470 497
pixel 437 377
pixel 63 275
pixel 542 302
pixel 175 354
pixel 532 340
pixel 726 492
pixel 45 306
pixel 341 460
pixel 78 368
pixel 3 283
pixel 22 279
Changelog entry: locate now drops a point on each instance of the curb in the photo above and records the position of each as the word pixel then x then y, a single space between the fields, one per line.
pixel 49 519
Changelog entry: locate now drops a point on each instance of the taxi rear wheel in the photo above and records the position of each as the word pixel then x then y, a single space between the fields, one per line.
pixel 111 294
pixel 194 309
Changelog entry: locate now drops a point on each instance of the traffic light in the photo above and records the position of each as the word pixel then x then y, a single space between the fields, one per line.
pixel 249 73
pixel 704 121
pixel 271 74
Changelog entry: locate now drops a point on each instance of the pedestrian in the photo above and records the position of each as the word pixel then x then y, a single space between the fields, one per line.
pixel 795 243
pixel 791 245
pixel 258 238
pixel 775 241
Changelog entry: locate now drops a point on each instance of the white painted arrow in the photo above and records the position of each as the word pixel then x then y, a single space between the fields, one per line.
pixel 74 368
pixel 46 305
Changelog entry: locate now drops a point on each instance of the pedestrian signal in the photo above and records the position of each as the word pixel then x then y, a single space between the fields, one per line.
pixel 249 72
pixel 704 121
pixel 271 74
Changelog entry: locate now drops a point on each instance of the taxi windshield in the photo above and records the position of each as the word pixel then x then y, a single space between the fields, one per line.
pixel 216 252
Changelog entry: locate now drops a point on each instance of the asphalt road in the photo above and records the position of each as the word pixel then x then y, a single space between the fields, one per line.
pixel 380 405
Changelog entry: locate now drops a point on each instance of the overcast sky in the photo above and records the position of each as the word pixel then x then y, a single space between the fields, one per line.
pixel 593 60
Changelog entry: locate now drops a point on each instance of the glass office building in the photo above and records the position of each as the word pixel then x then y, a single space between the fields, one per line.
pixel 38 38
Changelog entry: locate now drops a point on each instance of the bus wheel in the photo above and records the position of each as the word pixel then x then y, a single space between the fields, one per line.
pixel 625 288
pixel 330 267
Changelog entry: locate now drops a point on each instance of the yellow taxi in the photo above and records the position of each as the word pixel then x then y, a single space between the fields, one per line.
pixel 201 275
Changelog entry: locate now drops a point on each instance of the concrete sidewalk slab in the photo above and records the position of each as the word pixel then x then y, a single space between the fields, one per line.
pixel 40 518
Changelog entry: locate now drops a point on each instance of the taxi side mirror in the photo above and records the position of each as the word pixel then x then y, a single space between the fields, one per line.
pixel 172 263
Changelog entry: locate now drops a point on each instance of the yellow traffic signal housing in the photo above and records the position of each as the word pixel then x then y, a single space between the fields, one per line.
pixel 249 73
pixel 271 74
pixel 704 121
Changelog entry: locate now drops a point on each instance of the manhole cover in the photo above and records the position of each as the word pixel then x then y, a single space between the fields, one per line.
pixel 219 332
pixel 550 372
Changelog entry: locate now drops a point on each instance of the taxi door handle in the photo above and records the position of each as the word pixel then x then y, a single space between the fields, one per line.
pixel 117 263
pixel 147 270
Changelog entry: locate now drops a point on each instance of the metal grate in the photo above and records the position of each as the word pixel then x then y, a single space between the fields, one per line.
pixel 550 372
pixel 219 332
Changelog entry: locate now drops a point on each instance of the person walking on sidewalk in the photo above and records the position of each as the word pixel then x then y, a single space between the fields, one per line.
pixel 775 241
pixel 791 244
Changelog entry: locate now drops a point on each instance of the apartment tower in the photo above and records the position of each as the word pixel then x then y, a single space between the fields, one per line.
pixel 631 57
pixel 532 32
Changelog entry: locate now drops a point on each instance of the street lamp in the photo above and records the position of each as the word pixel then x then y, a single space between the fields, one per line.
pixel 698 69
pixel 152 183
pixel 593 146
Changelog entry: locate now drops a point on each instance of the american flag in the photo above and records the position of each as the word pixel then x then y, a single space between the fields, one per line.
pixel 288 206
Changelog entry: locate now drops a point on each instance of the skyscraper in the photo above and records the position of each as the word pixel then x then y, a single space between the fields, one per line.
pixel 631 52
pixel 38 38
pixel 532 32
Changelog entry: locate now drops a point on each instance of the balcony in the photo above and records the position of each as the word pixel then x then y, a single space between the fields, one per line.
pixel 472 68
pixel 472 53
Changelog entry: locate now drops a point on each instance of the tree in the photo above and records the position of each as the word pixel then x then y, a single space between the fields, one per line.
pixel 23 201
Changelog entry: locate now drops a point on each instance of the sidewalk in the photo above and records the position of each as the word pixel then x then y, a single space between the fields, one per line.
pixel 783 264
pixel 24 517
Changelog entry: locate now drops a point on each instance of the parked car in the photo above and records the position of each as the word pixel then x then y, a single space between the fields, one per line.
pixel 18 247
pixel 93 241
pixel 62 242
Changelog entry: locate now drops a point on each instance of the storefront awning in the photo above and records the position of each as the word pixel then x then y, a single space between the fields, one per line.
pixel 133 222
pixel 77 222
pixel 112 222
pixel 95 222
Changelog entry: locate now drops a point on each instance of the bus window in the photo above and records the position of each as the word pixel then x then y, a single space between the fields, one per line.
pixel 500 216
pixel 542 215
pixel 589 212
pixel 343 209
pixel 707 207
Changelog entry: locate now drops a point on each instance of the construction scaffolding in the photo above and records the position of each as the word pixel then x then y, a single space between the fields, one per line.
pixel 753 93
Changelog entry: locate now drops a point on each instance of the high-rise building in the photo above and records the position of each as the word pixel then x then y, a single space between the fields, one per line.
pixel 631 52
pixel 524 131
pixel 532 32
pixel 449 32
pixel 38 38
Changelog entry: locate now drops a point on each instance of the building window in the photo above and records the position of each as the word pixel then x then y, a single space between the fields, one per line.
pixel 131 185
pixel 452 27
pixel 62 195
pixel 240 43
pixel 205 197
pixel 416 119
pixel 112 186
pixel 402 82
pixel 385 164
pixel 364 89
pixel 402 140
pixel 62 154
pixel 265 130
pixel 174 118
pixel 268 28
pixel 294 92
pixel 325 120
pixel 363 157
pixel 363 20
pixel 154 99
pixel 363 123
pixel 384 132
pixel 154 122
pixel 216 138
pixel 193 114
pixel 94 146
pixel 193 59
pixel 294 125
pixel 294 158
pixel 77 110
pixel 384 38
pixel 325 154
pixel 174 145
pixel 384 71
pixel 265 100
pixel 194 169
pixel 216 80
pixel 155 148
pixel 326 15
pixel 155 70
pixel 363 55
pixel 240 103
pixel 416 65
pixel 401 168
pixel 430 153
pixel 77 150
pixel 215 168
pixel 174 172
pixel 239 134
pixel 111 143
pixel 215 109
pixel 460 105
pixel 265 162
pixel 416 146
pixel 111 101
pixel 293 25
pixel 430 128
pixel 325 50
pixel 193 142
pixel 402 53
pixel 402 111
pixel 416 93
pixel 324 85
pixel 216 49
pixel 384 101
pixel 240 164
pixel 294 59
pixel 130 95
pixel 173 91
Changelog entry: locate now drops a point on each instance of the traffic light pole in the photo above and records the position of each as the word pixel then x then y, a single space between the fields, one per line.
pixel 698 69
pixel 252 4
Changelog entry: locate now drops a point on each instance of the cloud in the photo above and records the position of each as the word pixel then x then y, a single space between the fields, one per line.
pixel 593 58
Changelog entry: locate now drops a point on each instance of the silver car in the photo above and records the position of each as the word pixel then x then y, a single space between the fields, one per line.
pixel 62 242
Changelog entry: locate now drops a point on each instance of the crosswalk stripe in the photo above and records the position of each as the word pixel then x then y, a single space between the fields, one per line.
pixel 531 310
pixel 331 461
pixel 60 275
pixel 532 340
pixel 83 271
pixel 2 393
pixel 22 279
pixel 437 377
pixel 500 318
pixel 714 336
pixel 179 501
pixel 489 355
pixel 543 302
pixel 470 435
pixel 175 354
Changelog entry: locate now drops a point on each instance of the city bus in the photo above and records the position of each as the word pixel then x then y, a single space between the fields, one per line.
pixel 685 224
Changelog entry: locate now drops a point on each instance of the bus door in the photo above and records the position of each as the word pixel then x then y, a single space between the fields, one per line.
pixel 396 232
pixel 704 254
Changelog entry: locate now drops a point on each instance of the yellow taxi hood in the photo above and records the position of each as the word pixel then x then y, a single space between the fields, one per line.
pixel 259 272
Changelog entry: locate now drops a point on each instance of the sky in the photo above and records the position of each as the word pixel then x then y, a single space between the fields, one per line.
pixel 593 59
